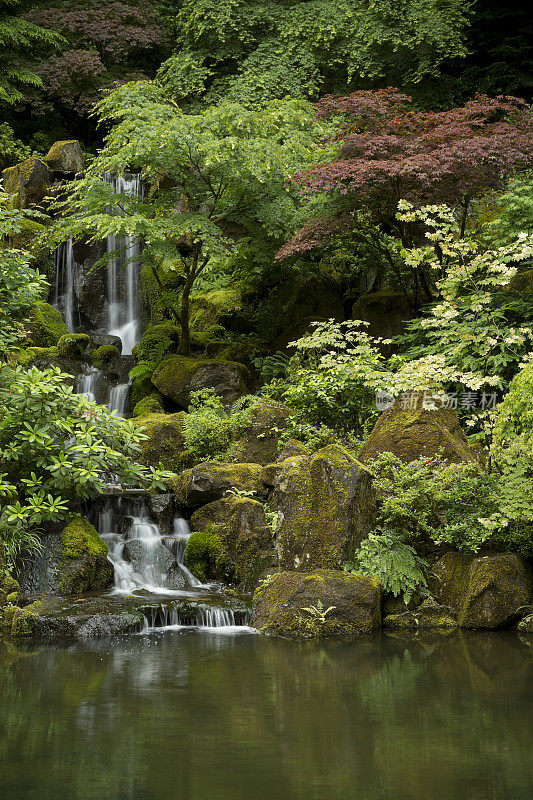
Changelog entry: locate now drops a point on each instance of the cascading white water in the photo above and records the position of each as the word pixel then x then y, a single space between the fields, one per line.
pixel 198 617
pixel 86 383
pixel 177 545
pixel 138 551
pixel 122 271
pixel 118 398
pixel 64 290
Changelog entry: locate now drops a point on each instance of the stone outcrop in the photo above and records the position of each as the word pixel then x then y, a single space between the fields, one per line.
pixel 165 443
pixel 212 480
pixel 326 507
pixel 488 591
pixel 324 604
pixel 385 311
pixel 178 376
pixel 413 433
pixel 429 614
pixel 28 182
pixel 65 157
pixel 239 537
pixel 45 325
pixel 259 442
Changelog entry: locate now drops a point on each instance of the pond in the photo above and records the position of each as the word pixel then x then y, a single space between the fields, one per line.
pixel 206 715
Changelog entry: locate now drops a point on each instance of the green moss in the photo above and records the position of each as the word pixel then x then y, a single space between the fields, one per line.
pixel 65 156
pixel 204 556
pixel 412 433
pixel 152 404
pixel 208 308
pixel 28 238
pixel 28 182
pixel 104 356
pixel 45 325
pixel 25 358
pixel 79 538
pixel 73 345
pixel 42 353
pixel 157 342
pixel 173 372
pixel 141 387
pixel 165 443
pixel 23 622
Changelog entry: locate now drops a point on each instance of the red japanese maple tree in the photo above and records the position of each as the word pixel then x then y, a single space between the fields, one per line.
pixel 388 152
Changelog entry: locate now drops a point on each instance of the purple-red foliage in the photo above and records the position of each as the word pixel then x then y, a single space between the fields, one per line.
pixel 389 152
pixel 113 28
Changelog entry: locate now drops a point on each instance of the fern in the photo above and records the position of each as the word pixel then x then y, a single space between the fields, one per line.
pixel 395 563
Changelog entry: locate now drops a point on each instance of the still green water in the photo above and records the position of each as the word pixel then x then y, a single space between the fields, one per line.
pixel 209 716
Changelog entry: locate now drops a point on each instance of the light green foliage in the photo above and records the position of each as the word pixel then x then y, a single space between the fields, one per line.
pixel 451 504
pixel 318 613
pixel 253 51
pixel 18 40
pixel 56 445
pixel 395 563
pixel 514 416
pixel 514 213
pixel 468 330
pixel 12 150
pixel 209 428
pixel 220 170
pixel 21 286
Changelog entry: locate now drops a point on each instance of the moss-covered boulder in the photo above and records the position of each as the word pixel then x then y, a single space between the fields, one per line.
pixel 212 480
pixel 84 566
pixel 178 376
pixel 151 404
pixel 157 342
pixel 260 441
pixel 486 591
pixel 204 556
pixel 428 614
pixel 45 325
pixel 73 345
pixel 325 604
pixel 65 156
pixel 243 536
pixel 386 312
pixel 28 182
pixel 292 449
pixel 165 443
pixel 326 506
pixel 411 433
pixel 209 308
pixel 105 356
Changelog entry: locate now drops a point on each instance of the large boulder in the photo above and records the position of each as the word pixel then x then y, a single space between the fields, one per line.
pixel 486 591
pixel 28 182
pixel 165 443
pixel 178 376
pixel 65 156
pixel 326 506
pixel 324 604
pixel 411 433
pixel 385 311
pixel 71 561
pixel 244 540
pixel 259 442
pixel 45 325
pixel 212 480
pixel 429 614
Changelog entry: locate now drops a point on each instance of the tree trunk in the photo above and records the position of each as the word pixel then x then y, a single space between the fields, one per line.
pixel 185 342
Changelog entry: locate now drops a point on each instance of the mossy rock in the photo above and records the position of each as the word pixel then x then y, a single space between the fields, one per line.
pixel 487 592
pixel 157 342
pixel 140 388
pixel 28 238
pixel 212 480
pixel 29 182
pixel 428 614
pixel 260 441
pixel 244 539
pixel 73 345
pixel 522 284
pixel 385 311
pixel 84 566
pixel 326 506
pixel 324 604
pixel 65 156
pixel 152 404
pixel 207 309
pixel 178 376
pixel 204 556
pixel 165 443
pixel 23 622
pixel 45 325
pixel 413 433
pixel 105 356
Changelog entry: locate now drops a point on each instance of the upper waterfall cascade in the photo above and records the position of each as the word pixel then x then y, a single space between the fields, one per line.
pixel 117 298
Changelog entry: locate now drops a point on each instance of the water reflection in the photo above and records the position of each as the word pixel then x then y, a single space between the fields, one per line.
pixel 197 716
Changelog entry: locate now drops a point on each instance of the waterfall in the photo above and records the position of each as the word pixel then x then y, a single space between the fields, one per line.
pixel 202 616
pixel 86 383
pixel 118 398
pixel 122 272
pixel 139 551
pixel 63 297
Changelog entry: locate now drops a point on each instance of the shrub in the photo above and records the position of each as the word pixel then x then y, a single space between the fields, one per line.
pixel 209 427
